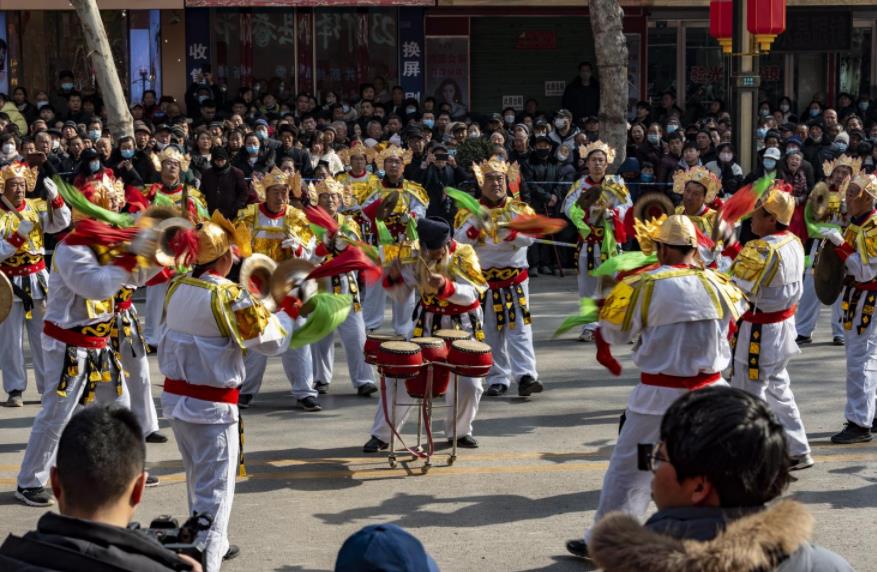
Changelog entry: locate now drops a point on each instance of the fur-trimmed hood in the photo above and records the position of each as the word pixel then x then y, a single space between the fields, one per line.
pixel 755 542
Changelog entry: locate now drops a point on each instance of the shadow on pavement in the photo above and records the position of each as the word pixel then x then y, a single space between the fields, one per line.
pixel 481 510
pixel 511 426
pixel 566 563
pixel 862 497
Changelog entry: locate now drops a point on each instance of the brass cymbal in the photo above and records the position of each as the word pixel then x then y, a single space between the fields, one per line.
pixel 5 297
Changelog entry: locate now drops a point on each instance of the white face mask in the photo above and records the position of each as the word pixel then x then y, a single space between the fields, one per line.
pixel 8 148
pixel 726 157
pixel 560 123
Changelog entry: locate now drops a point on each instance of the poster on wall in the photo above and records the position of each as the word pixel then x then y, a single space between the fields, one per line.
pixel 447 72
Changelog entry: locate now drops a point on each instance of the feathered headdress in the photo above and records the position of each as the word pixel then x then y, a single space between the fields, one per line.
pixel 854 163
pixel 171 153
pixel 210 240
pixel 356 150
pixel 276 177
pixel 403 155
pixel 586 150
pixel 646 231
pixel 493 165
pixel 701 176
pixel 332 186
pixel 866 183
pixel 16 170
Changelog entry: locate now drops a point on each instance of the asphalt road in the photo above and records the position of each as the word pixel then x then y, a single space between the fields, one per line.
pixel 508 505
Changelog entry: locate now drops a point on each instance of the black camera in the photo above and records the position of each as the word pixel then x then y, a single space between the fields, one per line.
pixel 180 539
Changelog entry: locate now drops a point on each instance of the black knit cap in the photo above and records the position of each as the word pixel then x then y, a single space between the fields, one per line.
pixel 434 232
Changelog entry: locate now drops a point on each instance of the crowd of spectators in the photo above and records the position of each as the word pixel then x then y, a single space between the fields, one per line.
pixel 232 139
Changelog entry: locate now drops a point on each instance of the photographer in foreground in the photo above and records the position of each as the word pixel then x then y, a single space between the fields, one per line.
pixel 98 480
pixel 722 458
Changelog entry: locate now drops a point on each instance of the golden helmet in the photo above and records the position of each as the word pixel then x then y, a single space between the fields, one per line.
pixel 493 165
pixel 866 183
pixel 677 230
pixel 701 176
pixel 586 150
pixel 19 170
pixel 780 203
pixel 172 153
pixel 217 235
pixel 403 155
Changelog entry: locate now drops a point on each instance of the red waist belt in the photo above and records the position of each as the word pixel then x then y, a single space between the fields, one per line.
pixel 516 279
pixel 24 269
pixel 770 317
pixel 205 392
pixel 680 382
pixel 124 305
pixel 870 286
pixel 452 309
pixel 77 337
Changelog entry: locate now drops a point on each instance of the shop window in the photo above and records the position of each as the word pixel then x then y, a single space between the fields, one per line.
pixel 705 71
pixel 772 68
pixel 255 48
pixel 855 65
pixel 661 62
pixel 355 47
pixel 144 38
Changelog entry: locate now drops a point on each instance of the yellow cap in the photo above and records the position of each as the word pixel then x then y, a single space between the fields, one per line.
pixel 780 204
pixel 217 235
pixel 677 230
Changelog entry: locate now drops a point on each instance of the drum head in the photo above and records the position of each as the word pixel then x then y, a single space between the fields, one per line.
pixel 396 347
pixel 449 334
pixel 428 342
pixel 828 274
pixel 471 346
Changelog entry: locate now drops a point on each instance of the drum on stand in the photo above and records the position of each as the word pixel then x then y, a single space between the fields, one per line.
pixel 400 360
pixel 373 345
pixel 434 352
pixel 470 358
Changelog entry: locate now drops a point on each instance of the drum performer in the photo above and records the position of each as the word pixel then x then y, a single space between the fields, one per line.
pixel 666 307
pixel 448 277
pixel 857 247
pixel 769 270
pixel 503 256
pixel 21 260
pixel 596 204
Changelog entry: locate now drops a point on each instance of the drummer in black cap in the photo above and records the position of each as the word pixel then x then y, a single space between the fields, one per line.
pixel 448 278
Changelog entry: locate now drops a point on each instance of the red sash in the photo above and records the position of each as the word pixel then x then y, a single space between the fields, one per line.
pixel 216 394
pixel 770 317
pixel 698 381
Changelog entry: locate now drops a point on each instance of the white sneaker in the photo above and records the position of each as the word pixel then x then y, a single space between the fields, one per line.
pixel 586 336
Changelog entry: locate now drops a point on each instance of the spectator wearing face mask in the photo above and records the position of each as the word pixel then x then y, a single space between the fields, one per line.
pixel 564 132
pixel 653 147
pixel 90 168
pixel 8 149
pixel 254 157
pixel 260 128
pixel 121 161
pixel 837 148
pixel 726 169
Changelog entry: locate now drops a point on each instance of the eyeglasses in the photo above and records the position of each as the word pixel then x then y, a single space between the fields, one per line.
pixel 651 457
pixel 656 458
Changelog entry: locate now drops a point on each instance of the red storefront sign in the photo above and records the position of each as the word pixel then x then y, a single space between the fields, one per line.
pixel 537 40
pixel 304 3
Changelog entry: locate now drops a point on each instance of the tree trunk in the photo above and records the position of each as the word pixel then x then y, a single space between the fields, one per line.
pixel 119 120
pixel 610 47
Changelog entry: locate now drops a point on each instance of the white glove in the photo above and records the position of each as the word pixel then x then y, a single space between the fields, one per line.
pixel 24 228
pixel 145 243
pixel 833 236
pixel 51 189
pixel 292 243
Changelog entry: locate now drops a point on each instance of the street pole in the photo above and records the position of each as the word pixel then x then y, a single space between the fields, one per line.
pixel 746 80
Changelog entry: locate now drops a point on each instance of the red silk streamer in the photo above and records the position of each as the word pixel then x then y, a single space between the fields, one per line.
pixel 350 260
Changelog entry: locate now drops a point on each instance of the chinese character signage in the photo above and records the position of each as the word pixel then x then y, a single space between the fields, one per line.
pixel 411 57
pixel 304 25
pixel 197 43
pixel 447 72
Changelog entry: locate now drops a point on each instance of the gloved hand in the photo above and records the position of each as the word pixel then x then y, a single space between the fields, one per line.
pixel 292 243
pixel 604 354
pixel 24 228
pixel 145 243
pixel 833 236
pixel 51 189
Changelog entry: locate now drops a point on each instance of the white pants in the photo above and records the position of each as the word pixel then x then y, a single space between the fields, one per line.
pixel 12 346
pixel 589 286
pixel 136 367
pixel 861 374
pixel 56 411
pixel 373 303
pixel 153 311
pixel 625 487
pixel 809 307
pixel 777 392
pixel 513 354
pixel 467 407
pixel 210 459
pixel 297 364
pixel 352 333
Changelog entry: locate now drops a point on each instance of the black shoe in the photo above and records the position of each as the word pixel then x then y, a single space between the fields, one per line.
pixel 309 404
pixel 801 340
pixel 232 552
pixel 374 445
pixel 156 437
pixel 527 386
pixel 366 389
pixel 466 442
pixel 852 433
pixel 244 400
pixel 496 389
pixel 874 425
pixel 35 496
pixel 838 341
pixel 322 387
pixel 14 400
pixel 533 273
pixel 151 480
pixel 578 548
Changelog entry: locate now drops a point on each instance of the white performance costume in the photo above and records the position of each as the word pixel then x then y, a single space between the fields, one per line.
pixel 22 261
pixel 80 364
pixel 503 259
pixel 810 306
pixel 209 323
pixel 769 271
pixel 456 307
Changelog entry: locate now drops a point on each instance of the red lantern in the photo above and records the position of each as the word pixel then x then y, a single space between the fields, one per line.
pixel 722 23
pixel 765 19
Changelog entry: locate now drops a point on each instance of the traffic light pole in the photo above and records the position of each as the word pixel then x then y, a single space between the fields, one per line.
pixel 746 81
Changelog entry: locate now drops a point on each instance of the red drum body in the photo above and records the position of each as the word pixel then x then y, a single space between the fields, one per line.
pixel 373 345
pixel 450 336
pixel 402 360
pixel 470 358
pixel 432 350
